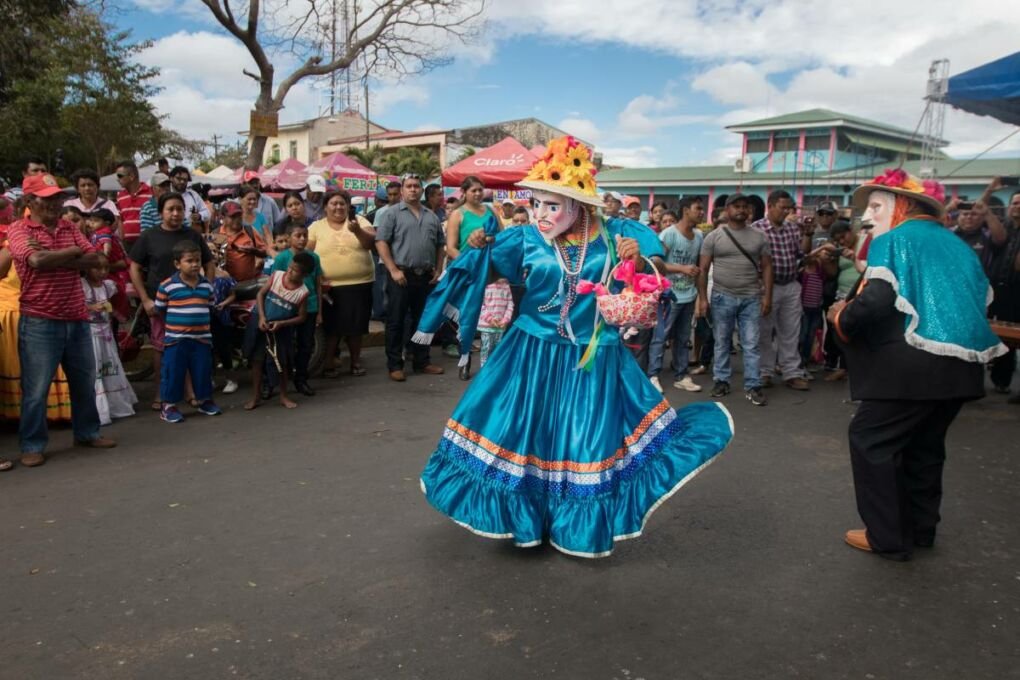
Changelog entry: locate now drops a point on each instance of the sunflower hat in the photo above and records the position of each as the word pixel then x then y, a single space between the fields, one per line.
pixel 565 169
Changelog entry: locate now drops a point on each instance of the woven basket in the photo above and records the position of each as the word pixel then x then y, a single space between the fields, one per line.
pixel 630 308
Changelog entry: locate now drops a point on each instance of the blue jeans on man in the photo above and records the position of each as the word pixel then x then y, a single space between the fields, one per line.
pixel 44 344
pixel 744 314
pixel 675 324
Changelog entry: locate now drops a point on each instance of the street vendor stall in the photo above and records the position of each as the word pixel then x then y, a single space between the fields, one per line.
pixel 343 172
pixel 499 166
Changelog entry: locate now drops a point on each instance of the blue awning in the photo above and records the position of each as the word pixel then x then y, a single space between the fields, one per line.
pixel 989 90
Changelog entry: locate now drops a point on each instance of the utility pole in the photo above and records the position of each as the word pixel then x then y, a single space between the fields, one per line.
pixel 216 146
pixel 332 52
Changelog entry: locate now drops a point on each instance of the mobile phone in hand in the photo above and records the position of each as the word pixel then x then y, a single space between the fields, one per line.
pixel 1009 181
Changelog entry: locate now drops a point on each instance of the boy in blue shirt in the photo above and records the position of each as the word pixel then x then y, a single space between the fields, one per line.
pixel 298 242
pixel 682 242
pixel 184 300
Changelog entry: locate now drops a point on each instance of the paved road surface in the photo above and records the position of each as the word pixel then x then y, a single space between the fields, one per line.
pixel 278 545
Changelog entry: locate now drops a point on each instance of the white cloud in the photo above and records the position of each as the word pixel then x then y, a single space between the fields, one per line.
pixel 581 127
pixel 630 156
pixel 647 115
pixel 385 97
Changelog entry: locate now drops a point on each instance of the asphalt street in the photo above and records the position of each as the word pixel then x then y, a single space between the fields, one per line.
pixel 297 544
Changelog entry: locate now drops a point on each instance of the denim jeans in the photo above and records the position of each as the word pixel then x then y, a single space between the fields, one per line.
pixel 744 314
pixel 44 344
pixel 674 323
pixel 809 326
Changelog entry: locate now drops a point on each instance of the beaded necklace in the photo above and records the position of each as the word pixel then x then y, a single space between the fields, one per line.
pixel 566 295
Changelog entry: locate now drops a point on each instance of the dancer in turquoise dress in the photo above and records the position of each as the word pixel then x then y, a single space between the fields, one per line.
pixel 560 437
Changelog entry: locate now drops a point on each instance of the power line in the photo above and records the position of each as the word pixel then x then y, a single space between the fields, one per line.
pixel 956 170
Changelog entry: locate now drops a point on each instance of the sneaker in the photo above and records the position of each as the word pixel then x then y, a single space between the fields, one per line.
pixel 698 370
pixel 721 389
pixel 655 383
pixel 170 414
pixel 756 397
pixel 209 408
pixel 451 351
pixel 230 387
pixel 687 384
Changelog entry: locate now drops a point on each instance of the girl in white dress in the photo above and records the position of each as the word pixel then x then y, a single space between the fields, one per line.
pixel 114 396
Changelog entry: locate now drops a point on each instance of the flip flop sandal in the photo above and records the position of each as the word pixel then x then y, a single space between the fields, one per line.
pixel 331 373
pixel 156 406
pixel 357 370
pixel 5 464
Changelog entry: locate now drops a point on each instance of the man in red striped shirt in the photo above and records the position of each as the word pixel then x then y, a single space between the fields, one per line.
pixel 53 330
pixel 133 195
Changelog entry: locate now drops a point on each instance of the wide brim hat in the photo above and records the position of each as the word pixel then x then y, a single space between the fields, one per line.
pixel 896 181
pixel 566 169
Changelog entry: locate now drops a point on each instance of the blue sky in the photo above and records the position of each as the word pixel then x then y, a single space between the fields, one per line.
pixel 650 85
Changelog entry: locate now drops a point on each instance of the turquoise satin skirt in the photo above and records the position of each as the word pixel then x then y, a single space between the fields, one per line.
pixel 537 450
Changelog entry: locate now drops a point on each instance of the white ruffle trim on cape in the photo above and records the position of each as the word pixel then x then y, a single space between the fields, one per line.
pixel 946 349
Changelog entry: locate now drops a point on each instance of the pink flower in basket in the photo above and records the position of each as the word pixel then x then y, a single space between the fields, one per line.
pixel 636 305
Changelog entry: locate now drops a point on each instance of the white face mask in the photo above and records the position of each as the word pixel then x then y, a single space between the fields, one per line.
pixel 880 211
pixel 554 214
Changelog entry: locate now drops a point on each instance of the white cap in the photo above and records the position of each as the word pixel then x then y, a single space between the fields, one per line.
pixel 615 195
pixel 316 184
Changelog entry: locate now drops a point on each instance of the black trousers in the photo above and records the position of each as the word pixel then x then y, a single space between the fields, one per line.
pixel 897 449
pixel 404 305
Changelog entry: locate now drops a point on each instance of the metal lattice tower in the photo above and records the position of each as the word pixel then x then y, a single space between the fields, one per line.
pixel 934 119
pixel 342 91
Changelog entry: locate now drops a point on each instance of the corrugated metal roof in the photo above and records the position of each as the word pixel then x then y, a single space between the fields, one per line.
pixel 818 117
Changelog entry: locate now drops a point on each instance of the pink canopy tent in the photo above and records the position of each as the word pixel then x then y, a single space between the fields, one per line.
pixel 501 165
pixel 343 172
pixel 285 176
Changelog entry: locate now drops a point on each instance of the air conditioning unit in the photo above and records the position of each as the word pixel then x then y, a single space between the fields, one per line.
pixel 742 164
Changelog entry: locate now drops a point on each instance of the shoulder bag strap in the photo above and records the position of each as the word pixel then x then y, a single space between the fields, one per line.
pixel 757 267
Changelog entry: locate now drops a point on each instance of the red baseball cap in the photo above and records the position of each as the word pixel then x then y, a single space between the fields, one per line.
pixel 249 175
pixel 231 208
pixel 42 186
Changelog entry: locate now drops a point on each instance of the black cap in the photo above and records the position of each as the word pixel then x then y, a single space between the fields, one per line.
pixel 104 214
pixel 827 207
pixel 733 198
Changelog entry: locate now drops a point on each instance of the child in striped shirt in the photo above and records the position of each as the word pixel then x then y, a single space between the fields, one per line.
pixel 184 300
pixel 812 283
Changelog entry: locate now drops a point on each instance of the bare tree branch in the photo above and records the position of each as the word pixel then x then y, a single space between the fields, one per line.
pixel 397 37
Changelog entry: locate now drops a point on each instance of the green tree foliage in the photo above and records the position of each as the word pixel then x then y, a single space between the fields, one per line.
pixel 409 159
pixel 82 93
pixel 371 158
pixel 230 156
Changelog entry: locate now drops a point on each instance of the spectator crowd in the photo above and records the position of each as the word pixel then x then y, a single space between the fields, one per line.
pixel 275 281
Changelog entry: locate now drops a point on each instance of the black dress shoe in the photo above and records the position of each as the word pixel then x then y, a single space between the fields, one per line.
pixel 465 370
pixel 305 389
